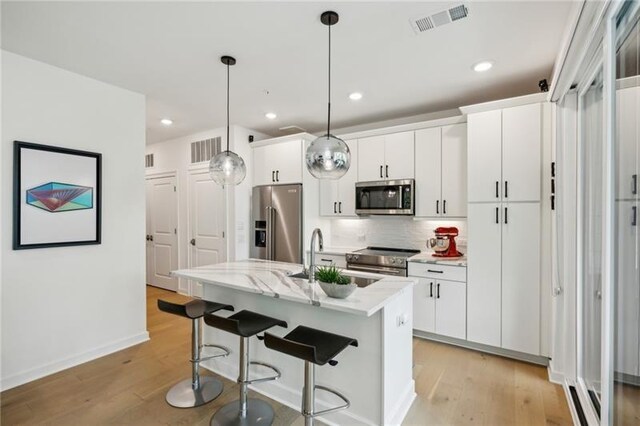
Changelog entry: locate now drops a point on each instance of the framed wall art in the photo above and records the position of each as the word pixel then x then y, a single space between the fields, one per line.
pixel 56 196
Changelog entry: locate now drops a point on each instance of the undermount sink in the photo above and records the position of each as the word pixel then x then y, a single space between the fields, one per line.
pixel 359 281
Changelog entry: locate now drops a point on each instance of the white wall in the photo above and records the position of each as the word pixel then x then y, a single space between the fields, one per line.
pixel 64 306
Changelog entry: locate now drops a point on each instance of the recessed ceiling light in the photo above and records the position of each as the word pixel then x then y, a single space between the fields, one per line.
pixel 355 96
pixel 483 66
pixel 166 121
pixel 271 115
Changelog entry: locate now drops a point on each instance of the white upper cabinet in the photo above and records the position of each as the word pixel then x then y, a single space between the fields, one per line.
pixel 441 171
pixel 386 157
pixel 504 154
pixel 484 147
pixel 399 156
pixel 428 172
pixel 627 139
pixel 521 147
pixel 338 197
pixel 371 158
pixel 278 163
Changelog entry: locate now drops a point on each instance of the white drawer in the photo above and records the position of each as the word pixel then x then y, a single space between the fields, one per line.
pixel 438 272
pixel 324 259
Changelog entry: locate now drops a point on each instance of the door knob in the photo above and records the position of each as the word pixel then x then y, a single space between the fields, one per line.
pixel 150 237
pixel 192 242
pixel 147 237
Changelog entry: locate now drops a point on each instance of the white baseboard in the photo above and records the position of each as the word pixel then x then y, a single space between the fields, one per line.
pixel 404 404
pixel 555 376
pixel 56 366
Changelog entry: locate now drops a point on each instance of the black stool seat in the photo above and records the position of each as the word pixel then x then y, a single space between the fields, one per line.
pixel 244 323
pixel 194 309
pixel 310 344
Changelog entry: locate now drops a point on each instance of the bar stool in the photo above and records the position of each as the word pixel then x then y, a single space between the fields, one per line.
pixel 245 411
pixel 197 390
pixel 315 347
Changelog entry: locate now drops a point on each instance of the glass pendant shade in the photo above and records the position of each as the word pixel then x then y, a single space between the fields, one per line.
pixel 328 157
pixel 227 168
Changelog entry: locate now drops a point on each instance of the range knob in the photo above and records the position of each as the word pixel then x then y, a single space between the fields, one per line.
pixel 356 257
pixel 392 260
pixel 349 257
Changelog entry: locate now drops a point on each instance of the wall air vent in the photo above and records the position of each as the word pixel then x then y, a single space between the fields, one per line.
pixel 148 161
pixel 204 150
pixel 429 22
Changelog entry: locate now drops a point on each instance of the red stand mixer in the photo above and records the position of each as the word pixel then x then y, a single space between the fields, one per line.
pixel 444 244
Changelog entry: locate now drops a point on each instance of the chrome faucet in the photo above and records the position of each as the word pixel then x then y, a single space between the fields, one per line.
pixel 312 253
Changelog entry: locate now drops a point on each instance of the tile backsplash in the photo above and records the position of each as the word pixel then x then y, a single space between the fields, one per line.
pixel 399 232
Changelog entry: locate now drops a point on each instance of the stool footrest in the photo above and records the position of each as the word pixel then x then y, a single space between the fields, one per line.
pixel 225 352
pixel 264 379
pixel 346 404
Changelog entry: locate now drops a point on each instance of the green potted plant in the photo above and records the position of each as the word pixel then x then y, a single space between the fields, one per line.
pixel 333 283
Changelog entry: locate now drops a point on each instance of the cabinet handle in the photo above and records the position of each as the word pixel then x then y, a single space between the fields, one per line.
pixel 506 215
pixel 634 187
pixel 634 218
pixel 335 207
pixel 386 168
pixel 506 189
pixel 497 189
pixel 380 171
pixel 438 291
pixel 340 207
pixel 192 242
pixel 327 260
pixel 444 207
pixel 437 206
pixel 435 271
pixel 431 289
pixel 497 214
pixel 273 176
pixel 277 175
pixel 150 237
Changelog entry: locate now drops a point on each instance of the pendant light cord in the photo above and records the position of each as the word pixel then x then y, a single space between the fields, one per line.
pixel 329 89
pixel 227 108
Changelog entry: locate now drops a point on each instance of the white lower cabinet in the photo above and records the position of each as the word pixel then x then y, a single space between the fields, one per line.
pixel 439 305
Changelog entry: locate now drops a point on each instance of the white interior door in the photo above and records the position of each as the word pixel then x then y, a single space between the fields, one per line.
pixel 428 167
pixel 207 208
pixel 149 243
pixel 163 214
pixel 454 170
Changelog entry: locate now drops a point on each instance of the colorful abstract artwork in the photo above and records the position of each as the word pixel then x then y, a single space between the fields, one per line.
pixel 57 196
pixel 60 197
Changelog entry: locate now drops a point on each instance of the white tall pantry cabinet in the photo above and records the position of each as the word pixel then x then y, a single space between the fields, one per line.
pixel 504 226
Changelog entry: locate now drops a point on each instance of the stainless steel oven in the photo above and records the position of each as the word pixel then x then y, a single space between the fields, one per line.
pixel 389 197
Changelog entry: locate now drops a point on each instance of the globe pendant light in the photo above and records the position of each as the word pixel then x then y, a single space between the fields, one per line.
pixel 328 157
pixel 227 167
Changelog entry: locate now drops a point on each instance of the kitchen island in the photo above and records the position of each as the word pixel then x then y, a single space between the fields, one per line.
pixel 376 376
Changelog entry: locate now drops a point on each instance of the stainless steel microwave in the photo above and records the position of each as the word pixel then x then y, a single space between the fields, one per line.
pixel 389 197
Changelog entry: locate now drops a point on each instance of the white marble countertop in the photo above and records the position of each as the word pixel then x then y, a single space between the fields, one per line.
pixel 338 251
pixel 271 279
pixel 426 257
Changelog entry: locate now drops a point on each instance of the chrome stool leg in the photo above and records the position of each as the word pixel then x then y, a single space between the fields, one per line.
pixel 246 411
pixel 197 390
pixel 309 393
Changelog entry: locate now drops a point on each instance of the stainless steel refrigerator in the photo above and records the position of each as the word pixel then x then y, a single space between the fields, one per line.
pixel 276 217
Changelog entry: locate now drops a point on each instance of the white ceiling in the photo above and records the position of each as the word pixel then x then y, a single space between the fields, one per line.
pixel 170 52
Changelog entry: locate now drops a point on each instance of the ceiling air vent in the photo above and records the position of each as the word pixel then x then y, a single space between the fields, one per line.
pixel 291 130
pixel 148 161
pixel 425 23
pixel 204 150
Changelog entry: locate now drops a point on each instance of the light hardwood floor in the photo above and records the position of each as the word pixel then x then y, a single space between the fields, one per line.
pixel 455 386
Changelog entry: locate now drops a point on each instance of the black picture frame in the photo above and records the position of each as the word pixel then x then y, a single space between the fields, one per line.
pixel 18 147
